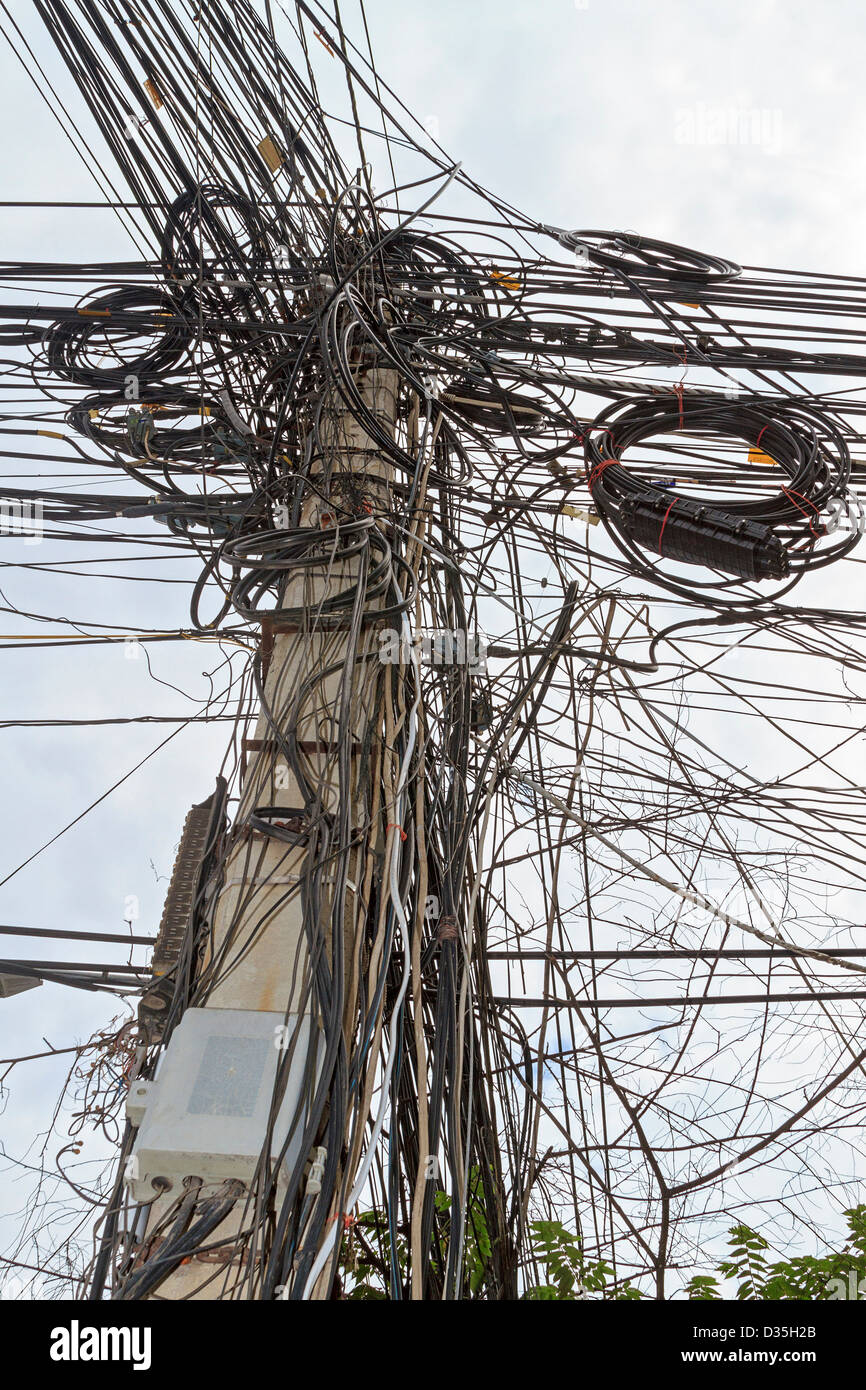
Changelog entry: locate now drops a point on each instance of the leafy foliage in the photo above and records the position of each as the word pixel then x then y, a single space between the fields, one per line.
pixel 476 1247
pixel 366 1259
pixel 570 1276
pixel 836 1275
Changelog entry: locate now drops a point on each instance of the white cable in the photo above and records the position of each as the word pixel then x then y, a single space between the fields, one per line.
pixel 394 887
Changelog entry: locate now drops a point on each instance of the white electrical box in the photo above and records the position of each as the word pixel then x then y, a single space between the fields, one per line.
pixel 206 1113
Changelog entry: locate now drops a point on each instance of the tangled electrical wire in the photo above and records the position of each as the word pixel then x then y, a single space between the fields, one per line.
pixel 749 538
pixel 365 420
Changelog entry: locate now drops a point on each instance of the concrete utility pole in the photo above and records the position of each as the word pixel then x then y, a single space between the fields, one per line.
pixel 259 959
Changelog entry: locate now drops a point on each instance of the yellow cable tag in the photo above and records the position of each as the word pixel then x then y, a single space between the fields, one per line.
pixel 579 515
pixel 506 281
pixel 270 154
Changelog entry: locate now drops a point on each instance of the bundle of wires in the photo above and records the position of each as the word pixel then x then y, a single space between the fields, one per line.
pixel 655 265
pixel 314 397
pixel 751 538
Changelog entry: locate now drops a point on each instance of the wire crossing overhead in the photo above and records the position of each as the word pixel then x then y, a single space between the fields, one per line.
pixel 527 558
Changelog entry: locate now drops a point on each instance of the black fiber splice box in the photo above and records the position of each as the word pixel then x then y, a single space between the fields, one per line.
pixel 688 531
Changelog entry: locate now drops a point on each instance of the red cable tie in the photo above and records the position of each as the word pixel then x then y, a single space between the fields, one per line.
pixel 789 492
pixel 346 1217
pixel 394 826
pixel 665 522
pixel 598 470
pixel 758 440
pixel 609 433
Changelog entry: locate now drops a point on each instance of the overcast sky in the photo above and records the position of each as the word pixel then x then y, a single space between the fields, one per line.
pixel 734 128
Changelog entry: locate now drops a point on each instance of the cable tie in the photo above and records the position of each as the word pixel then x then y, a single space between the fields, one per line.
pixel 598 470
pixel 665 521
pixel 790 493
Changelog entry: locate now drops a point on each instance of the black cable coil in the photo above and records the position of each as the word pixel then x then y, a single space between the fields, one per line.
pixel 751 537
